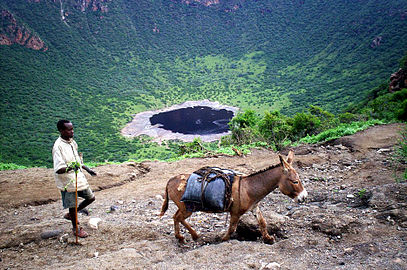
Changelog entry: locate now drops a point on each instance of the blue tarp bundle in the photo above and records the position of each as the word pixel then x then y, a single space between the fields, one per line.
pixel 207 190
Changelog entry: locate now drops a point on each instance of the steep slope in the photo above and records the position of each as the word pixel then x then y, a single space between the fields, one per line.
pixel 103 60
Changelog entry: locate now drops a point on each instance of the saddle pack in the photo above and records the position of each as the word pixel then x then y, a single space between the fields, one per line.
pixel 209 189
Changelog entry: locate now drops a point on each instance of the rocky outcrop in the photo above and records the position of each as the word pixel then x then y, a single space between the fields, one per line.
pixel 206 3
pixel 228 7
pixel 83 5
pixel 398 80
pixel 376 42
pixel 14 32
pixel 94 5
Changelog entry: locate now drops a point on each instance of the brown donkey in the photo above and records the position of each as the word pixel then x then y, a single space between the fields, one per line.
pixel 247 191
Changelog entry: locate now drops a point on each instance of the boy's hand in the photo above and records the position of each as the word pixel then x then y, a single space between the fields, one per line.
pixel 89 170
pixel 73 166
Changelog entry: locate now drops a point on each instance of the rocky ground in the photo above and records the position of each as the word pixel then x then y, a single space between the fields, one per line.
pixel 355 216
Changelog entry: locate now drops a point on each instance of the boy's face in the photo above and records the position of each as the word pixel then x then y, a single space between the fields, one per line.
pixel 67 132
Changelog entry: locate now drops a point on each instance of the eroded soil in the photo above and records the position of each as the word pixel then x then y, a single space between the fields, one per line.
pixel 355 216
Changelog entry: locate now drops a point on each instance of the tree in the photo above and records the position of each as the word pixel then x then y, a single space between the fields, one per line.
pixel 244 127
pixel 275 129
pixel 304 124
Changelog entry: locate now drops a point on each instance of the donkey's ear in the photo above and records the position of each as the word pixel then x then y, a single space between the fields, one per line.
pixel 290 157
pixel 283 163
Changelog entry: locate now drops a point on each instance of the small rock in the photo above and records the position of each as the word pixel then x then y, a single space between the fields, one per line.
pixel 271 266
pixel 350 196
pixel 120 202
pixel 341 147
pixel 64 238
pixel 348 250
pixel 113 208
pixel 159 197
pixel 317 166
pixel 93 223
pixel 96 254
pixel 383 150
pixel 50 234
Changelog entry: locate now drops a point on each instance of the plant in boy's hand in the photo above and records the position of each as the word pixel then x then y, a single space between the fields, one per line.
pixel 73 166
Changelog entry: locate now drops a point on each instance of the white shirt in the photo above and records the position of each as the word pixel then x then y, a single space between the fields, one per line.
pixel 63 153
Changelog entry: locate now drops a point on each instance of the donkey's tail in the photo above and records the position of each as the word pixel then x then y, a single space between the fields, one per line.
pixel 164 207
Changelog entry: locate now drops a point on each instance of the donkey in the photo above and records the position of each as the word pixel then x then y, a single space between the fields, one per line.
pixel 247 192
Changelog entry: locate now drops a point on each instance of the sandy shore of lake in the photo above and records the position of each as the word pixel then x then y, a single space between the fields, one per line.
pixel 141 125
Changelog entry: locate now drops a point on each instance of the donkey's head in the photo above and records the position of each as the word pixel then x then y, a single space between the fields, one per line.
pixel 290 183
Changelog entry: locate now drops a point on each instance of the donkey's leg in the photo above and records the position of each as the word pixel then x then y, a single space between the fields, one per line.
pixel 193 233
pixel 178 235
pixel 180 216
pixel 263 226
pixel 234 219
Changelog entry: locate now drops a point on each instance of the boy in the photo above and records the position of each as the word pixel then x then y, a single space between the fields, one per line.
pixel 64 152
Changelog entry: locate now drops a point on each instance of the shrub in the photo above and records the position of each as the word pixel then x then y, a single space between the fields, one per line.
pixel 242 120
pixel 304 124
pixel 401 155
pixel 275 129
pixel 244 127
pixel 389 106
pixel 401 113
pixel 348 117
pixel 340 131
pixel 326 118
pixel 191 147
pixel 10 166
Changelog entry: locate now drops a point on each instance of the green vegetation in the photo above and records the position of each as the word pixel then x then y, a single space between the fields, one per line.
pixel 276 58
pixel 312 126
pixel 10 166
pixel 401 156
pixel 197 148
pixel 343 129
pixel 362 193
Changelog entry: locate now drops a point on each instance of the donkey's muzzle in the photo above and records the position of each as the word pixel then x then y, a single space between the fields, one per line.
pixel 302 196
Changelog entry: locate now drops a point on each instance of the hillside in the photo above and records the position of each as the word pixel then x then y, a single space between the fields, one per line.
pixel 355 216
pixel 97 62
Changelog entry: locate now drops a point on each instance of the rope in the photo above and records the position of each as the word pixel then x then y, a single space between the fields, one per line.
pixel 209 174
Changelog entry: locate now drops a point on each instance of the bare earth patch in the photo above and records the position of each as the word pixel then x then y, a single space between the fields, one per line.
pixel 355 216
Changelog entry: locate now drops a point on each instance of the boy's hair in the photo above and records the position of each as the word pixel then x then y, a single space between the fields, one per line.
pixel 61 124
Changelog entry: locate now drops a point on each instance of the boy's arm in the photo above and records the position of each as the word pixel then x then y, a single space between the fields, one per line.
pixel 89 170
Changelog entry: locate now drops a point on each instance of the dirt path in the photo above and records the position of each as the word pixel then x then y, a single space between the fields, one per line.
pixel 355 217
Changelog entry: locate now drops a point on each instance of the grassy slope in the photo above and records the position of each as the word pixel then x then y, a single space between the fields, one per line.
pixel 265 55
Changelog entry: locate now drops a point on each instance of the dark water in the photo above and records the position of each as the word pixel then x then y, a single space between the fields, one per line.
pixel 199 120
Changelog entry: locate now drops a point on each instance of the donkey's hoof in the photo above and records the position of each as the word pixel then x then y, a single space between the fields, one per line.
pixel 181 240
pixel 195 237
pixel 269 240
pixel 225 238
